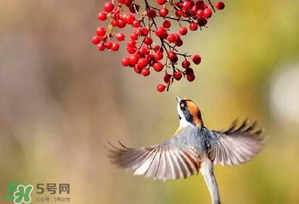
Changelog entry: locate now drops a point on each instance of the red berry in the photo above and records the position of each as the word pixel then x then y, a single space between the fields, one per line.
pixel 121 1
pixel 189 71
pixel 193 10
pixel 178 42
pixel 131 43
pixel 220 5
pixel 115 46
pixel 144 50
pixel 193 26
pixel 202 21
pixel 179 13
pixel 179 5
pixel 114 23
pixel 151 58
pixel 101 46
pixel 166 24
pixel 183 30
pixel 131 50
pixel 161 32
pixel 167 78
pixel 95 40
pixel 151 13
pixel 142 62
pixel 200 5
pixel 134 59
pixel 108 6
pixel 199 13
pixel 161 2
pixel 125 61
pixel 134 35
pixel 137 69
pixel 171 38
pixel 191 77
pixel 163 12
pixel 159 56
pixel 196 59
pixel 143 31
pixel 158 66
pixel 120 36
pixel 177 75
pixel 187 5
pixel 108 45
pixel 177 36
pixel 158 48
pixel 101 31
pixel 134 8
pixel 161 88
pixel 130 18
pixel 145 72
pixel 136 24
pixel 186 64
pixel 148 41
pixel 121 23
pixel 172 57
pixel 129 3
pixel 102 16
pixel 118 16
pixel 207 13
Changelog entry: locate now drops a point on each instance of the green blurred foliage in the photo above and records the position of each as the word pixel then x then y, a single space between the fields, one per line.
pixel 61 100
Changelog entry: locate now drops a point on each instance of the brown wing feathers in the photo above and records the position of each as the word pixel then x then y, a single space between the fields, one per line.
pixel 243 129
pixel 237 144
pixel 162 162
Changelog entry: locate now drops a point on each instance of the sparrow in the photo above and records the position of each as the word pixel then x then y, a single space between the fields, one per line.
pixel 193 149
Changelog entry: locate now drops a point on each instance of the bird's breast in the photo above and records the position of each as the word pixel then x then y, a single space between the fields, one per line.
pixel 192 136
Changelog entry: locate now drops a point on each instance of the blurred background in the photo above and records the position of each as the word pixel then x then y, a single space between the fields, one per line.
pixel 61 100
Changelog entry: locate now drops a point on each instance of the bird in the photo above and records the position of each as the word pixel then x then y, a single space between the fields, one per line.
pixel 193 148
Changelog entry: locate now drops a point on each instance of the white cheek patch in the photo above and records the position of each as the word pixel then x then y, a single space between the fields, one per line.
pixel 180 111
pixel 184 123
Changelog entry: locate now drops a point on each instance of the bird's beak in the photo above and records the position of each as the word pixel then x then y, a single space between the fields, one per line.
pixel 178 99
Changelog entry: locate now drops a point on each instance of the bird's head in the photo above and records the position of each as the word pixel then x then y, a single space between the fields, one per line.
pixel 189 113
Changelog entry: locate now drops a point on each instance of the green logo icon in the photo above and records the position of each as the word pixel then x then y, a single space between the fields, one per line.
pixel 20 192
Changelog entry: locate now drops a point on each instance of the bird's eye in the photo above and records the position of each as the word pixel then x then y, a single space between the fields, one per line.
pixel 182 105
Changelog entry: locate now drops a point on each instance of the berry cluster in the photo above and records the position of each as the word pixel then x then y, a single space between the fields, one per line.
pixel 153 45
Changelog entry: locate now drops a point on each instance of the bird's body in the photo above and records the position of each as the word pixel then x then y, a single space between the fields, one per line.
pixel 193 148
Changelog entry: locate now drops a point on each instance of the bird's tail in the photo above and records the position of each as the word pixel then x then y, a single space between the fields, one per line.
pixel 207 170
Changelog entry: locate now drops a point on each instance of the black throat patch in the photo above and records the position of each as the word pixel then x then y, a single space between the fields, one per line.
pixel 186 112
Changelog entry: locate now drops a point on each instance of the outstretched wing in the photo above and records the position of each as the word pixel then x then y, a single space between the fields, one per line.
pixel 162 162
pixel 237 144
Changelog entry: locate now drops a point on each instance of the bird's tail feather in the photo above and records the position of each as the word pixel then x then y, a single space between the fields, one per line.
pixel 207 170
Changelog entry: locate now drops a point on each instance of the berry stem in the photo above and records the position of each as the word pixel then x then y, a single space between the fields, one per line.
pixel 212 6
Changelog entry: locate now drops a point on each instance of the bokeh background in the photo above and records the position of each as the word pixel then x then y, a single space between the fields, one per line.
pixel 61 100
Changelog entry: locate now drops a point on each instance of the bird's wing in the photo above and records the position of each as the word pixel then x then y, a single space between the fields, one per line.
pixel 237 144
pixel 162 162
